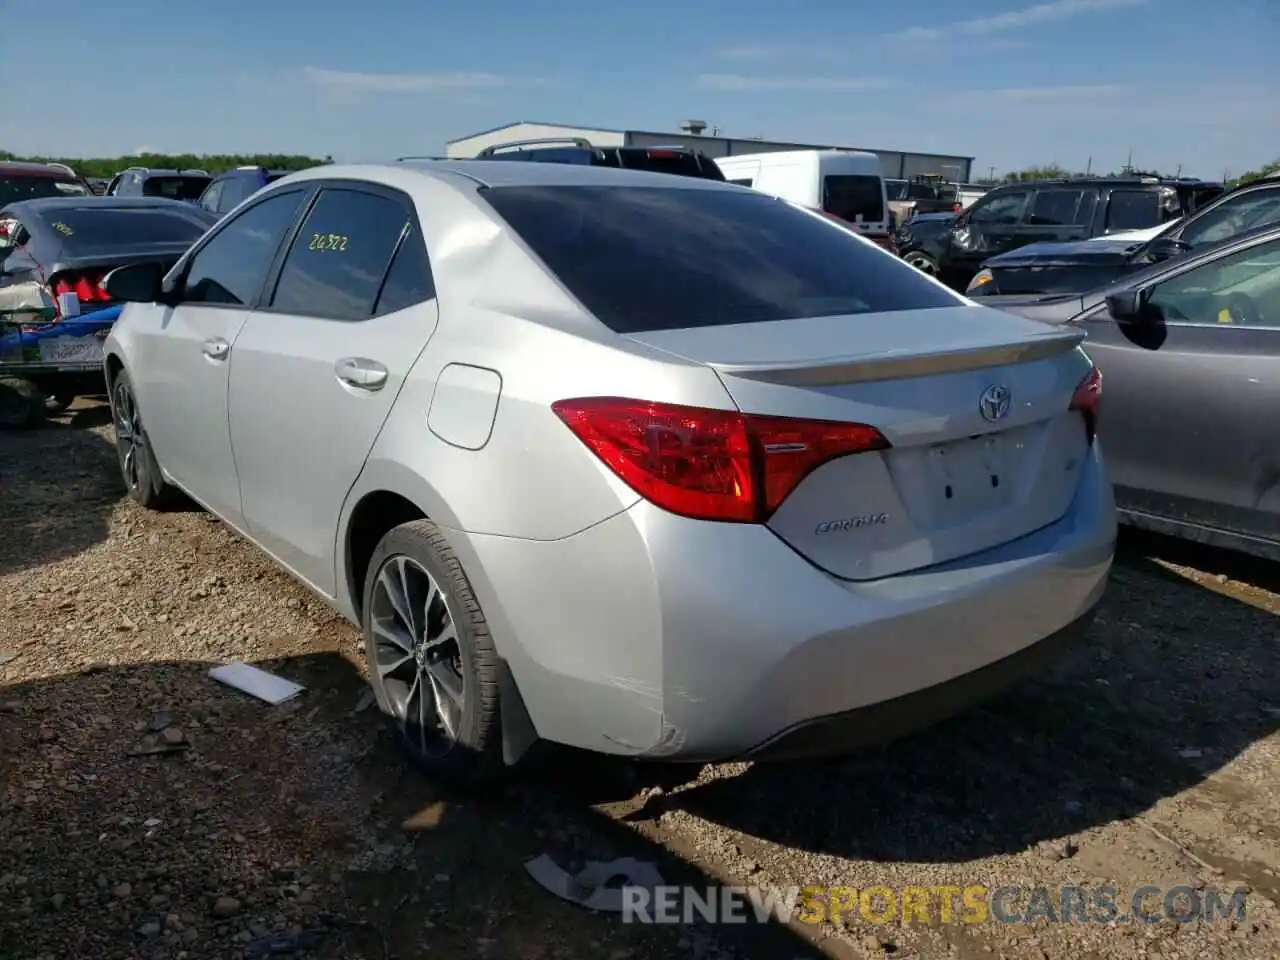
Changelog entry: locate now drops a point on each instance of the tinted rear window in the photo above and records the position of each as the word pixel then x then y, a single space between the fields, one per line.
pixel 670 161
pixel 175 188
pixel 86 231
pixel 849 196
pixel 648 258
pixel 15 187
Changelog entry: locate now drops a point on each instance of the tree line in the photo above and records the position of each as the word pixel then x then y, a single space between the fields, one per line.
pixel 1055 171
pixel 107 167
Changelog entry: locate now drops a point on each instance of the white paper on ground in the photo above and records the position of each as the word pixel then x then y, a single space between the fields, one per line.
pixel 257 683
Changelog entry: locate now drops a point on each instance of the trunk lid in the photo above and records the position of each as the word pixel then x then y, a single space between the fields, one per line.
pixel 954 482
pixel 1090 252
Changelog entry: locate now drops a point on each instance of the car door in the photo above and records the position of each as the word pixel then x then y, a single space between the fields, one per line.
pixel 183 351
pixel 1193 395
pixel 317 370
pixel 984 230
pixel 1057 214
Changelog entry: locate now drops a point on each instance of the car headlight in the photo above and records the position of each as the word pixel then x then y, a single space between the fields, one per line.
pixel 980 279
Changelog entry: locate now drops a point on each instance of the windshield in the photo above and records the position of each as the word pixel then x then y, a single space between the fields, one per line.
pixel 675 162
pixel 15 187
pixel 1234 215
pixel 648 258
pixel 175 188
pixel 852 196
pixel 87 231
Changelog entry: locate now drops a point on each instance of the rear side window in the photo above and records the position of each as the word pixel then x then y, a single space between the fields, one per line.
pixel 232 266
pixel 409 280
pixel 1133 210
pixel 649 258
pixel 849 196
pixel 338 259
pixel 1003 209
pixel 1059 208
pixel 743 182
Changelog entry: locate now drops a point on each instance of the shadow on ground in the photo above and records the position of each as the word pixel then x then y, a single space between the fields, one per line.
pixel 299 821
pixel 1176 680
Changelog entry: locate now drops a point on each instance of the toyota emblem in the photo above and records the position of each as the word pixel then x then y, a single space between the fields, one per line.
pixel 994 402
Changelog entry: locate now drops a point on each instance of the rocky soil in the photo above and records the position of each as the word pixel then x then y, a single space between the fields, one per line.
pixel 147 811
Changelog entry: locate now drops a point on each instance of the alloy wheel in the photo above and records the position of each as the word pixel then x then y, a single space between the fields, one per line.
pixel 129 435
pixel 921 263
pixel 415 657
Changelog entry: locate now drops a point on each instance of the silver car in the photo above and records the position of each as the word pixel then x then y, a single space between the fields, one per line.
pixel 647 465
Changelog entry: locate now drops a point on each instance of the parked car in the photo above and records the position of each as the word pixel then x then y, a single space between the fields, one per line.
pixel 679 161
pixel 1190 351
pixel 27 181
pixel 910 478
pixel 170 184
pixel 60 248
pixel 841 183
pixel 919 240
pixel 1076 267
pixel 98 185
pixel 1017 214
pixel 228 190
pixel 921 195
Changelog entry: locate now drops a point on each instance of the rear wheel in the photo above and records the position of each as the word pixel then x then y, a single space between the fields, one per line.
pixel 430 657
pixel 22 404
pixel 138 466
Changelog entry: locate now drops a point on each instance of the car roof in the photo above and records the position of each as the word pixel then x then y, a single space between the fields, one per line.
pixel 15 167
pixel 499 173
pixel 1127 181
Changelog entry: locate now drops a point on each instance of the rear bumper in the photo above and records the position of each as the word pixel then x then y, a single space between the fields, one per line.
pixel 655 636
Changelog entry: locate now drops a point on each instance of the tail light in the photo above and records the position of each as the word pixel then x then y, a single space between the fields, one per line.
pixel 710 464
pixel 1088 400
pixel 86 286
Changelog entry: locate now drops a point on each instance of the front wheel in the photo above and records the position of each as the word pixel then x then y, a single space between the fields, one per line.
pixel 138 466
pixel 922 262
pixel 431 660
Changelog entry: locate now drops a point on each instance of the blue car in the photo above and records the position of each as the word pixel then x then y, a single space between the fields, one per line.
pixel 228 189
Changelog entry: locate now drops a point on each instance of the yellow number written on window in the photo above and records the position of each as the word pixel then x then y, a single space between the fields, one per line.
pixel 63 229
pixel 328 242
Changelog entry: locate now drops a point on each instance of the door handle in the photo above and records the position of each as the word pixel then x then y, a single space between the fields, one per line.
pixel 216 348
pixel 361 373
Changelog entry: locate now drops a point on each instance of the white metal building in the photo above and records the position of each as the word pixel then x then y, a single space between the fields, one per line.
pixel 894 163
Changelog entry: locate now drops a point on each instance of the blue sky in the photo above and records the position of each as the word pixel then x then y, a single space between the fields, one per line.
pixel 1010 82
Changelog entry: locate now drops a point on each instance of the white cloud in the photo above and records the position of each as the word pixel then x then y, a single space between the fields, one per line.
pixel 353 86
pixel 734 82
pixel 1064 94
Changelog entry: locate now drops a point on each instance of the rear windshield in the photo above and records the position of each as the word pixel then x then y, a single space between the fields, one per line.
pixel 86 231
pixel 649 258
pixel 850 196
pixel 20 187
pixel 670 161
pixel 175 188
pixel 1196 197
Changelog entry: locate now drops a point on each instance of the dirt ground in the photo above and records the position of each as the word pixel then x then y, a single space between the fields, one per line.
pixel 1149 757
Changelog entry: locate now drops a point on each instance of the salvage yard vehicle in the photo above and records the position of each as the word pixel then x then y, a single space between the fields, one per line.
pixel 170 184
pixel 1057 211
pixel 675 160
pixel 54 253
pixel 556 496
pixel 919 240
pixel 1190 350
pixel 228 190
pixel 27 181
pixel 1042 268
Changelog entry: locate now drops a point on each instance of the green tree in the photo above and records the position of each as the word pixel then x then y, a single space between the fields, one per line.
pixel 1266 170
pixel 107 167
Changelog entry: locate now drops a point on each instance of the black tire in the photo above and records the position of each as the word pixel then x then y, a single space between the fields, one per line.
pixel 141 475
pixel 22 404
pixel 59 400
pixel 474 752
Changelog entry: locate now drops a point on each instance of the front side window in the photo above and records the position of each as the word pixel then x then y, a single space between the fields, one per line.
pixel 649 258
pixel 1004 209
pixel 338 260
pixel 1236 214
pixel 1242 289
pixel 232 266
pixel 851 197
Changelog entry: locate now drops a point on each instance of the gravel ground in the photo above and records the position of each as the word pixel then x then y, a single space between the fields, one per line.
pixel 147 811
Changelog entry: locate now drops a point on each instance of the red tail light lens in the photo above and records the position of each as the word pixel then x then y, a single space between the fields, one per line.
pixel 1088 400
pixel 86 286
pixel 710 464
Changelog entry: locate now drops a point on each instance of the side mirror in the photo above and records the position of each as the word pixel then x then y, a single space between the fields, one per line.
pixel 1128 306
pixel 1165 248
pixel 136 283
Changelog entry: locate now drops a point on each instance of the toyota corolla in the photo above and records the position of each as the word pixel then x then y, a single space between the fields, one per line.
pixel 647 465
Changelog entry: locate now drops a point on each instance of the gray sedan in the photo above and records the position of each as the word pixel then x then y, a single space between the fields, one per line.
pixel 1189 350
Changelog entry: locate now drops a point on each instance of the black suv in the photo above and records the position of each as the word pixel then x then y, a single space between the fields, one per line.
pixel 680 161
pixel 1052 268
pixel 1079 208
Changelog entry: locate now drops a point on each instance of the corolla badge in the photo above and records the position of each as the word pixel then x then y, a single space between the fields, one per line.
pixel 995 402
